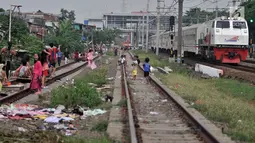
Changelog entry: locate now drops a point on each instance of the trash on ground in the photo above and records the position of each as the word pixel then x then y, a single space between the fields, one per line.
pixel 92 84
pixel 103 87
pixel 59 118
pixel 154 113
pixel 110 78
pixel 93 112
pixel 168 69
pixel 153 69
pixel 22 129
pixel 165 100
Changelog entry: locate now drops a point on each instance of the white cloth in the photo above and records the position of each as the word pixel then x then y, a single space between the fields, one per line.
pixel 66 60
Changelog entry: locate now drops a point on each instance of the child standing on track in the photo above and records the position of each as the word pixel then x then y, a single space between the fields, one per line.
pixel 146 68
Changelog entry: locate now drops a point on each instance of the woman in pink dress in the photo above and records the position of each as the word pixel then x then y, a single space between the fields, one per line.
pixel 91 63
pixel 90 57
pixel 36 83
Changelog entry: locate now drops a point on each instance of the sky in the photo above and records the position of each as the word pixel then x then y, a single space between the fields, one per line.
pixel 85 9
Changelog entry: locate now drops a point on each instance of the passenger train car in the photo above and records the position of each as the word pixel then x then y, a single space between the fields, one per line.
pixel 223 39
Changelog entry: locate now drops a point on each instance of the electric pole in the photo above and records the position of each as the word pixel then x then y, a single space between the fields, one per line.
pixel 147 21
pixel 8 57
pixel 216 12
pixel 143 32
pixel 158 26
pixel 180 31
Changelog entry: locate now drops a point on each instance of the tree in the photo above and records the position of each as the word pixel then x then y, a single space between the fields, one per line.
pixel 32 44
pixel 250 17
pixel 2 10
pixel 196 15
pixel 19 28
pixel 67 15
pixel 104 36
pixel 65 35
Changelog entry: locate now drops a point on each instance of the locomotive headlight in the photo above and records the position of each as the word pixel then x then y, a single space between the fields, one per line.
pixel 217 30
pixel 245 31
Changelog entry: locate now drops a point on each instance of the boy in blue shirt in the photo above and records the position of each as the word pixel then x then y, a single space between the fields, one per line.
pixel 146 68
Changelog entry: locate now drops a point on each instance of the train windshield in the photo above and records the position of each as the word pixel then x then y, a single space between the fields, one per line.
pixel 239 25
pixel 223 24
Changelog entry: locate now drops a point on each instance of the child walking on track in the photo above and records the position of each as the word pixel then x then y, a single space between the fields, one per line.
pixel 134 70
pixel 146 68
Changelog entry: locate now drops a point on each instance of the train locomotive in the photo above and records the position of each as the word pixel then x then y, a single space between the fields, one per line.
pixel 222 39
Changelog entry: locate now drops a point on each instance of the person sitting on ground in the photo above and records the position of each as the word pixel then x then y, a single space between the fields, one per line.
pixel 3 75
pixel 25 67
pixel 24 70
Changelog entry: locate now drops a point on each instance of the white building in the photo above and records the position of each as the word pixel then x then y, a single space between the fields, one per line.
pixel 96 22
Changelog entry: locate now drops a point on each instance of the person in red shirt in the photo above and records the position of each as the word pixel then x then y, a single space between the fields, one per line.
pixel 53 58
pixel 76 56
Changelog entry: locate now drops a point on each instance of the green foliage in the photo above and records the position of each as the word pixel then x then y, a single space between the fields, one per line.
pixel 65 36
pixel 32 44
pixel 103 139
pixel 100 127
pixel 19 29
pixel 97 77
pixel 81 93
pixel 196 15
pixel 2 10
pixel 104 36
pixel 225 102
pixel 67 15
pixel 155 61
pixel 250 15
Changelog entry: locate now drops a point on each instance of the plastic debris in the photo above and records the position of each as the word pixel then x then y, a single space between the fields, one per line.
pixel 165 100
pixel 154 113
pixel 110 78
pixel 21 129
pixel 92 113
pixel 59 109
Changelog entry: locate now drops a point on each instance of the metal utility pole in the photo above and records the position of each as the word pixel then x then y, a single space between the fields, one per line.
pixel 180 31
pixel 216 12
pixel 143 32
pixel 147 28
pixel 139 30
pixel 8 56
pixel 158 26
pixel 124 4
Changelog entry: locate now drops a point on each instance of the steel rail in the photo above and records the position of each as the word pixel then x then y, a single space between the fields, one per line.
pixel 208 136
pixel 130 110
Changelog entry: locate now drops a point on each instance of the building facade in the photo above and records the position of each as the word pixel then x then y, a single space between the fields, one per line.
pixel 96 22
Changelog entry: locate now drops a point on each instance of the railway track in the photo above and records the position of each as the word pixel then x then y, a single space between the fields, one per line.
pixel 158 116
pixel 61 72
pixel 250 61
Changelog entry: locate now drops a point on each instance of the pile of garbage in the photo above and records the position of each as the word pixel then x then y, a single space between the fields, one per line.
pixel 58 118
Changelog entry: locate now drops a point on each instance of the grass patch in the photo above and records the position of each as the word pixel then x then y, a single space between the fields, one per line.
pixel 80 93
pixel 220 100
pixel 103 139
pixel 155 61
pixel 100 127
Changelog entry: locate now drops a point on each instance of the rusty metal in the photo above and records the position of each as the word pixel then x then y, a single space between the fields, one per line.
pixel 130 110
